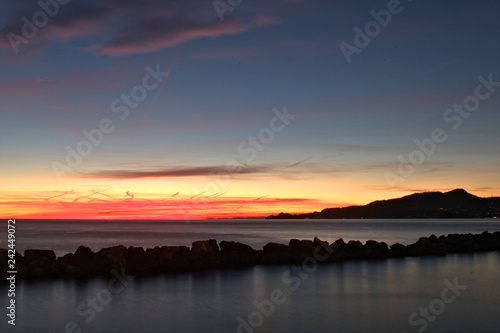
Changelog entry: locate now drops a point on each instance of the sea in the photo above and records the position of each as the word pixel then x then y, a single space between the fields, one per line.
pixel 455 293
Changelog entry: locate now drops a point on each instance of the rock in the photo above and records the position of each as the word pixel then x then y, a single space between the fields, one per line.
pixel 115 254
pixel 374 250
pixel 353 250
pixel 3 262
pixel 354 244
pixel 339 243
pixel 86 262
pixel 205 246
pixel 39 264
pixel 178 263
pixel 140 263
pixel 213 243
pixel 274 253
pixel 167 253
pixel 302 249
pixel 236 255
pixel 32 255
pixel 235 247
pixel 205 260
pixel 321 243
pixel 489 242
pixel 84 252
pixel 398 250
pixel 426 247
pixel 65 266
pixel 302 245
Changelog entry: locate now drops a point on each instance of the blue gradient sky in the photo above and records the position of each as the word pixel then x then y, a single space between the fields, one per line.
pixel 352 121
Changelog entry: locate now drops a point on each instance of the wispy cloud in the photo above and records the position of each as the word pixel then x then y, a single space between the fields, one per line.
pixel 174 172
pixel 85 204
pixel 305 168
pixel 129 27
pixel 159 33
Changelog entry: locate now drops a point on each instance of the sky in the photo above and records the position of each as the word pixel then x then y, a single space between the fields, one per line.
pixel 123 109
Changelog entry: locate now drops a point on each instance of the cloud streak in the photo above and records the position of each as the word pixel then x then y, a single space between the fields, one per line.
pixel 133 205
pixel 128 27
pixel 175 172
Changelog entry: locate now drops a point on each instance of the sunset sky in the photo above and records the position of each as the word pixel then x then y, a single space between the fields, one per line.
pixel 249 111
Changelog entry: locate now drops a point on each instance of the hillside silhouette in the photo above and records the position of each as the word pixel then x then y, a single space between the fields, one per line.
pixel 454 204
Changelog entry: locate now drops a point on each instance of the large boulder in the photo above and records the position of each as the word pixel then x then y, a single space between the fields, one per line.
pixel 115 254
pixel 281 254
pixel 205 246
pixel 140 262
pixel 374 250
pixel 35 255
pixel 83 263
pixel 338 244
pixel 236 255
pixel 398 250
pixel 426 247
pixel 39 264
pixel 302 249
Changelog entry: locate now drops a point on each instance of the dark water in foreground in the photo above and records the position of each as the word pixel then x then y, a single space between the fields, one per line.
pixel 349 297
pixel 457 293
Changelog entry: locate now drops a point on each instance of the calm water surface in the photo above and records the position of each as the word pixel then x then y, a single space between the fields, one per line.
pixel 349 297
pixel 64 237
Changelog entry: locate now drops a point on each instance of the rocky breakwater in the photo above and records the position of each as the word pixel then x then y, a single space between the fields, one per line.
pixel 206 255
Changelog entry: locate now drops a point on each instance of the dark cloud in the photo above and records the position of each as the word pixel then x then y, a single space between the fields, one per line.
pixel 294 171
pixel 70 20
pixel 126 27
pixel 176 172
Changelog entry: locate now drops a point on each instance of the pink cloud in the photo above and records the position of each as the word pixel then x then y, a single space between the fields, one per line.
pixel 263 20
pixel 94 205
pixel 156 34
pixel 161 33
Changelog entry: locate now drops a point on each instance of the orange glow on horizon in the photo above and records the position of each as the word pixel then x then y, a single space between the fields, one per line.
pixel 186 198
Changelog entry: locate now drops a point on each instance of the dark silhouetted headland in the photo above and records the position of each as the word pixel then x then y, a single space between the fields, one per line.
pixel 454 204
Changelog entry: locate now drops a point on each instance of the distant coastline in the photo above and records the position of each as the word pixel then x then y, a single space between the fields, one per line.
pixel 454 204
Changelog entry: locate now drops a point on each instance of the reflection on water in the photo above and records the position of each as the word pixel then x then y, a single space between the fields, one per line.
pixel 349 297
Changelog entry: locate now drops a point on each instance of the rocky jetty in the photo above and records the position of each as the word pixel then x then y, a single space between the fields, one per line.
pixel 208 254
